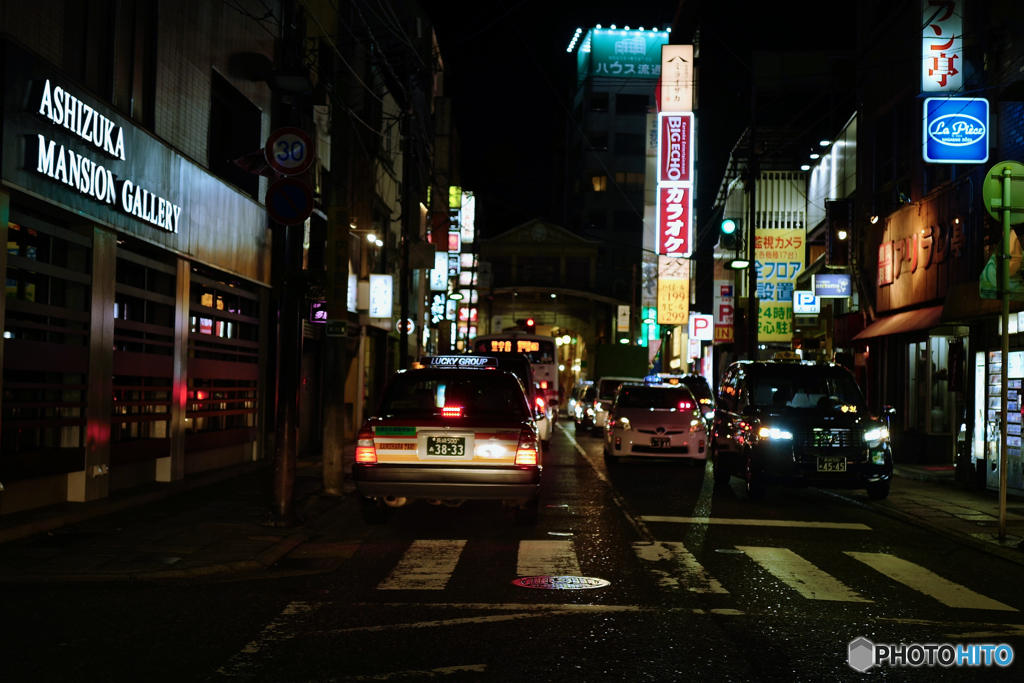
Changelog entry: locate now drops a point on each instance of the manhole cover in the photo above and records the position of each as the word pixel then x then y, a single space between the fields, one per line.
pixel 561 583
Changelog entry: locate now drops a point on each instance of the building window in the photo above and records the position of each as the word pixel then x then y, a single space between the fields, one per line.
pixel 630 181
pixel 630 144
pixel 598 139
pixel 599 101
pixel 235 125
pixel 599 182
pixel 631 104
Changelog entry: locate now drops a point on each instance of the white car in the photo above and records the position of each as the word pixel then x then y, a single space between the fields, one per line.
pixel 655 421
pixel 606 387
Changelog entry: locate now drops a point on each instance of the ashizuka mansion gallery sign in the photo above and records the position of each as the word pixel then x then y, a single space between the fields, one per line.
pixel 90 178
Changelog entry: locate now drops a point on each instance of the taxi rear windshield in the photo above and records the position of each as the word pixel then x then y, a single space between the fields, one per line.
pixel 608 387
pixel 480 393
pixel 650 397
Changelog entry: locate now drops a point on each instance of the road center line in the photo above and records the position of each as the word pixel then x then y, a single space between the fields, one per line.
pixel 853 526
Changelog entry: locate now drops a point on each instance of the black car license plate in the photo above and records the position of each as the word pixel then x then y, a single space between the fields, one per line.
pixel 446 445
pixel 660 442
pixel 831 464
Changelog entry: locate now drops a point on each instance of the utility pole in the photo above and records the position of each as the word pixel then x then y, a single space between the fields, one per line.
pixel 336 357
pixel 404 273
pixel 753 307
pixel 289 329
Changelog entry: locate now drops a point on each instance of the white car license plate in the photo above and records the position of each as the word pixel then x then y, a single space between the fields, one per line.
pixel 831 464
pixel 454 446
pixel 660 442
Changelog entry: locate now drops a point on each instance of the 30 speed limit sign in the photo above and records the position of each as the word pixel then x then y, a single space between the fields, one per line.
pixel 290 151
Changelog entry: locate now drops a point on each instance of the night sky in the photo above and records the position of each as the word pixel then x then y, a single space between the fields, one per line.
pixel 508 71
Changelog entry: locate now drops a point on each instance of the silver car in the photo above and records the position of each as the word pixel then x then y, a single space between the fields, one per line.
pixel 655 421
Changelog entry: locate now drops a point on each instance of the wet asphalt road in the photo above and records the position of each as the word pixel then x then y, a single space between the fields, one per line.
pixel 703 585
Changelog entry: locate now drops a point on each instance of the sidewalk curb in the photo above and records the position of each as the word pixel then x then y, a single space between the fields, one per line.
pixel 107 507
pixel 1006 553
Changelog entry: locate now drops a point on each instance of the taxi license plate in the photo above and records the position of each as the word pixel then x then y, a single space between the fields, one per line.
pixel 454 446
pixel 660 442
pixel 831 464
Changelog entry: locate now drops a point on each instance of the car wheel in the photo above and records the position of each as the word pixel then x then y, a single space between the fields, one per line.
pixel 609 458
pixel 756 486
pixel 528 512
pixel 877 490
pixel 375 511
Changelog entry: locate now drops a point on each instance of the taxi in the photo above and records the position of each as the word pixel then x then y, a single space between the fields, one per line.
pixel 655 419
pixel 453 428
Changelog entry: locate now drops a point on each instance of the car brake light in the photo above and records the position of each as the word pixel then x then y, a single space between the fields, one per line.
pixel 365 452
pixel 451 411
pixel 685 405
pixel 540 402
pixel 526 452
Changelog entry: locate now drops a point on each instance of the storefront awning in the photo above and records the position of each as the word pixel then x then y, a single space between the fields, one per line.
pixel 908 321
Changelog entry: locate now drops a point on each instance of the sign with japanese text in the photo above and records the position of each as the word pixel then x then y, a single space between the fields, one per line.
pixel 832 286
pixel 673 291
pixel 676 78
pixel 437 308
pixel 723 311
pixel 622 319
pixel 381 296
pixel 618 53
pixel 956 130
pixel 931 245
pixel 779 258
pixel 942 46
pixel 674 229
pixel 439 273
pixel 805 303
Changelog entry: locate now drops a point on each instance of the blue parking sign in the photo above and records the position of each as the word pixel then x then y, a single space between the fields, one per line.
pixel 956 130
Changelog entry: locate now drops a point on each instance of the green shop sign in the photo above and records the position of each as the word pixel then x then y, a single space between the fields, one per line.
pixel 618 53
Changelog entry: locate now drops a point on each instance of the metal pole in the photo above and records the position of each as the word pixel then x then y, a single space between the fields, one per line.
pixel 1004 285
pixel 753 307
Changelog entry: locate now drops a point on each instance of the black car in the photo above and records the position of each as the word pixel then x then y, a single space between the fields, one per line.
pixel 798 424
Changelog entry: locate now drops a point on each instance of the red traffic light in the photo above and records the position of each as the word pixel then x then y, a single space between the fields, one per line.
pixel 530 322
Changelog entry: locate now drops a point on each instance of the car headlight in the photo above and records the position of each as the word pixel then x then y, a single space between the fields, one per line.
pixel 876 436
pixel 697 425
pixel 623 424
pixel 774 433
pixel 710 415
pixel 590 412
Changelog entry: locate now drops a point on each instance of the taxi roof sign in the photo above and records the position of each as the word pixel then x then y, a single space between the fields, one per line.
pixel 460 361
pixel 787 355
pixel 652 379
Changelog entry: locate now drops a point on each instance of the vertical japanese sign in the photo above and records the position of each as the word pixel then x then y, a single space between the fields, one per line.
pixel 942 46
pixel 779 258
pixel 622 320
pixel 675 182
pixel 723 311
pixel 673 291
pixel 676 78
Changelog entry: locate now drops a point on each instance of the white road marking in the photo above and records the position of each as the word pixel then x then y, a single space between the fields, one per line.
pixel 852 526
pixel 426 565
pixel 801 575
pixel 273 632
pixel 547 558
pixel 428 673
pixel 683 567
pixel 931 584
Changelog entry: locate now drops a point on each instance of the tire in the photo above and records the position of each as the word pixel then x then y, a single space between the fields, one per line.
pixel 878 490
pixel 528 513
pixel 756 486
pixel 375 511
pixel 611 459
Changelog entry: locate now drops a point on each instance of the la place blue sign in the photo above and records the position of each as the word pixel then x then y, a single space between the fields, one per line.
pixel 955 130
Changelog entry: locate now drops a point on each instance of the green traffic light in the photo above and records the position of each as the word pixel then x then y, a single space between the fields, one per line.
pixel 728 226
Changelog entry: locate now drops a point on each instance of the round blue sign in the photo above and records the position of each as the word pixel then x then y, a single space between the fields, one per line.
pixel 289 201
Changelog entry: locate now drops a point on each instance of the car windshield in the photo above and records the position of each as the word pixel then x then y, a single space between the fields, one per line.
pixel 480 393
pixel 699 388
pixel 655 398
pixel 608 387
pixel 803 386
pixel 589 394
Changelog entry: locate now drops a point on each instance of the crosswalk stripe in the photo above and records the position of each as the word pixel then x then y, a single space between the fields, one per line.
pixel 426 565
pixel 683 567
pixel 801 575
pixel 929 583
pixel 794 524
pixel 547 558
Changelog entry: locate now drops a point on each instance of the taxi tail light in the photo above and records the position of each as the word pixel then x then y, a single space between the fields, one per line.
pixel 540 402
pixel 365 452
pixel 526 452
pixel 451 411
